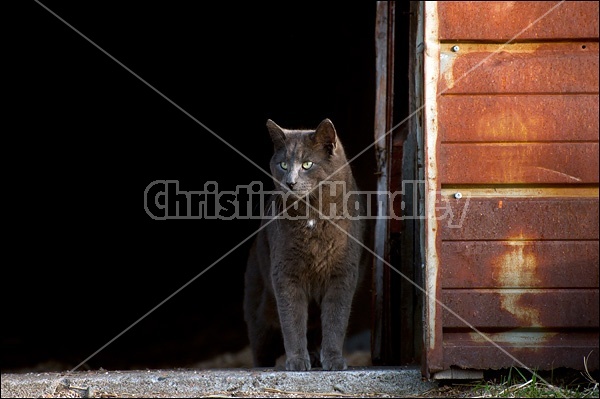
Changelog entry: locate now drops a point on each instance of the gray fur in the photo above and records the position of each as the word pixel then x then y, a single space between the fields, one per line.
pixel 302 274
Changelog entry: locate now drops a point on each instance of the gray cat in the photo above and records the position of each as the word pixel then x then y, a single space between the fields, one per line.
pixel 302 270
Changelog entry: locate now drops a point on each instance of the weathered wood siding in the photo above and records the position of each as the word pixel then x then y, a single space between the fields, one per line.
pixel 517 138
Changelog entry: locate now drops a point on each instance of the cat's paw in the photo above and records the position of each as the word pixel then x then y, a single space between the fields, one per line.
pixel 297 364
pixel 338 363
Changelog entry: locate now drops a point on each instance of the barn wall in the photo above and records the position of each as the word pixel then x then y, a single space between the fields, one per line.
pixel 516 148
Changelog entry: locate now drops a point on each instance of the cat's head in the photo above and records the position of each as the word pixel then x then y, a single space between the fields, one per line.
pixel 304 158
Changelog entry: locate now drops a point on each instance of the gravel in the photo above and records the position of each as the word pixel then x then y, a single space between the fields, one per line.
pixel 356 382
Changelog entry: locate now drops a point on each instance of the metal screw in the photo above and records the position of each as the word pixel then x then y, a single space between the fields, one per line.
pixel 455 49
pixel 458 195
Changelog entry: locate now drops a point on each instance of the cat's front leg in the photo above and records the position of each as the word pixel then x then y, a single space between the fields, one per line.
pixel 292 306
pixel 335 312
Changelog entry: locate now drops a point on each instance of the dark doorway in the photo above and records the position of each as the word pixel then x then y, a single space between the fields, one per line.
pixel 93 136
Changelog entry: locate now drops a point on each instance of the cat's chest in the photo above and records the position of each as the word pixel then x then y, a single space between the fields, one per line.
pixel 320 241
pixel 310 242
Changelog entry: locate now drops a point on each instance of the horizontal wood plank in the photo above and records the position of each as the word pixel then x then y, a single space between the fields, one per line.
pixel 512 308
pixel 538 349
pixel 516 163
pixel 528 118
pixel 486 219
pixel 555 68
pixel 503 20
pixel 524 264
pixel 534 358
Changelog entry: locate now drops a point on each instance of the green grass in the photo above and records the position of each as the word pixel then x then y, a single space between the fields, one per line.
pixel 521 383
pixel 517 385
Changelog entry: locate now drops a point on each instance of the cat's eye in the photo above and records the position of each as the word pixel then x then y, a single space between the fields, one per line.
pixel 283 165
pixel 307 165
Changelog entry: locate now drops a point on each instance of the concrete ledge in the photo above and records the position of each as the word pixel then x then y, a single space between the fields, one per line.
pixel 231 382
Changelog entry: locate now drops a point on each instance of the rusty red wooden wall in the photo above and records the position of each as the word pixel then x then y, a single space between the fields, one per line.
pixel 517 155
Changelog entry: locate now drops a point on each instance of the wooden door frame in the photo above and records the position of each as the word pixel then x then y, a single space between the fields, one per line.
pixel 384 84
pixel 397 324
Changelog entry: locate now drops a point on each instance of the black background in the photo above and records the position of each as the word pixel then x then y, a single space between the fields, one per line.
pixel 90 137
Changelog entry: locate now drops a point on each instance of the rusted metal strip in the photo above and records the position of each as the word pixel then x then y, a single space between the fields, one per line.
pixel 502 20
pixel 549 68
pixel 486 219
pixel 519 118
pixel 519 163
pixel 512 308
pixel 520 264
pixel 431 67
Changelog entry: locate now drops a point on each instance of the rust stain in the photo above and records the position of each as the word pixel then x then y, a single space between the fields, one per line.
pixel 508 122
pixel 559 264
pixel 519 118
pixel 495 125
pixel 518 269
pixel 574 308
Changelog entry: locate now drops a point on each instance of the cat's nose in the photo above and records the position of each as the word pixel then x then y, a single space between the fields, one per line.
pixel 291 184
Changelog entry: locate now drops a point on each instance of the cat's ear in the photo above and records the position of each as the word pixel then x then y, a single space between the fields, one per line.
pixel 277 134
pixel 325 135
